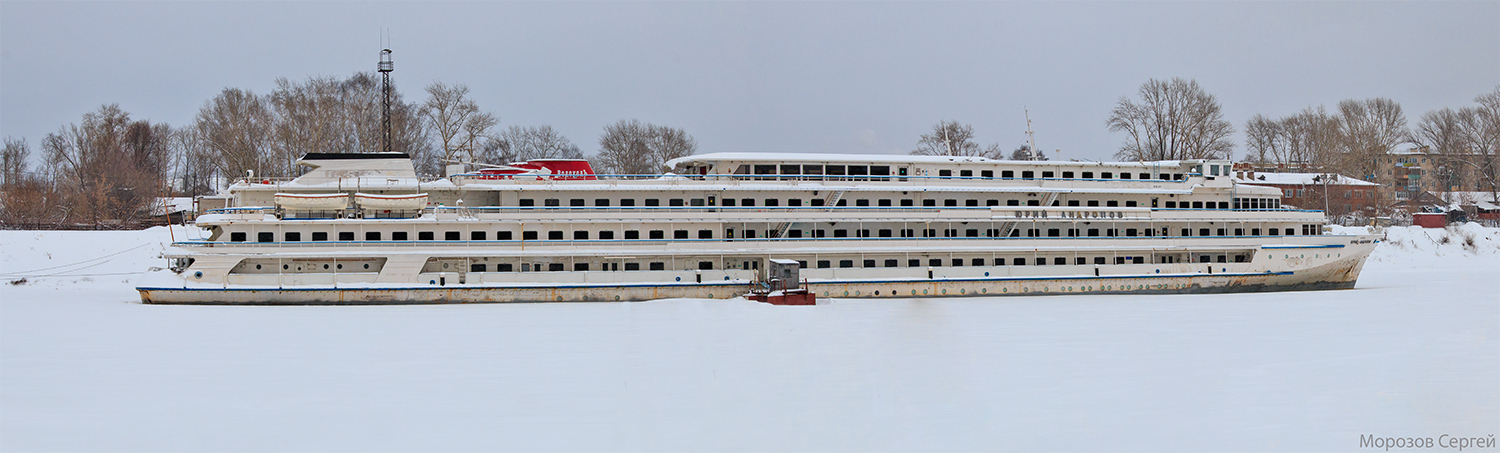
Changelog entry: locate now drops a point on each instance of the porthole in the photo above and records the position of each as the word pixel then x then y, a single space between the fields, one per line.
pixel 1004 290
pixel 617 297
pixel 339 266
pixel 924 292
pixel 559 298
pixel 963 291
pixel 257 266
pixel 198 274
pixel 986 274
pixel 432 282
pixel 325 266
pixel 877 292
pixel 367 265
pixel 726 278
pixel 856 293
pixel 846 294
pixel 945 290
pixel 914 292
pixel 984 290
pixel 679 279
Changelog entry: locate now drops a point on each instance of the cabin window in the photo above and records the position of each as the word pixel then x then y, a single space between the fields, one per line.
pixel 580 235
pixel 750 234
pixel 1033 202
pixel 502 235
pixel 632 234
pixel 1197 205
pixel 627 202
pixel 576 202
pixel 1041 261
pixel 1106 175
pixel 1130 232
pixel 728 202
pixel 1225 204
pixel 1046 174
pixel 550 202
pixel 970 174
pixel 319 236
pixel 1124 175
pixel 794 202
pixel 292 236
pixel 834 170
pixel 884 203
pixel 986 173
pixel 992 202
pixel 343 236
pixel 1088 175
pixel 862 203
pixel 527 202
pixel 1130 203
pixel 632 266
pixel 1080 261
pixel 794 234
pixel 773 202
pixel 881 171
pixel 907 202
pixel 824 264
pixel 1007 174
pixel 1145 176
pixel 1012 202
pixel 1220 231
pixel 658 266
pixel 1072 202
pixel 1028 174
pixel 812 169
pixel 451 236
pixel 1068 175
pixel 653 202
pixel 369 236
pixel 476 235
pixel 765 169
pixel 398 236
pixel 658 234
pixel 1093 232
pixel 1098 260
pixel 675 202
pixel 705 234
pixel 580 267
pixel 679 234
pixel 554 235
pixel 1274 232
pixel 477 267
pixel 747 202
pixel 950 202
pixel 1178 176
pixel 601 202
pixel 1018 262
pixel 971 203
pixel 859 171
pixel 929 203
pixel 606 235
pixel 506 267
pixel 1203 231
pixel 697 202
pixel 791 169
pixel 1172 205
pixel 885 233
pixel 840 233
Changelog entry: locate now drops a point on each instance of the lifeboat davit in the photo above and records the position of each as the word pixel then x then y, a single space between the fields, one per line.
pixel 312 201
pixel 407 202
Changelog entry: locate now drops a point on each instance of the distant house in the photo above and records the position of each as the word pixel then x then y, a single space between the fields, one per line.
pixel 1336 194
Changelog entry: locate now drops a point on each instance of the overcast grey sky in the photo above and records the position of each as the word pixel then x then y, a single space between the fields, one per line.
pixel 844 77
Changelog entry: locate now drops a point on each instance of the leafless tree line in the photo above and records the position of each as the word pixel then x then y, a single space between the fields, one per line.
pixel 1174 120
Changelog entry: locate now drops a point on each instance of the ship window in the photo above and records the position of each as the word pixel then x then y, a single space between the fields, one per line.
pixel 1130 203
pixel 1088 175
pixel 1197 205
pixel 992 202
pixel 632 234
pixel 293 237
pixel 812 169
pixel 552 202
pixel 505 267
pixel 601 202
pixel 343 236
pixel 674 202
pixel 728 202
pixel 1221 232
pixel 1098 260
pixel 868 263
pixel 1072 232
pixel 945 173
pixel 966 173
pixel 747 202
pixel 265 237
pixel 862 203
pixel 372 236
pixel 765 169
pixel 632 266
pixel 794 234
pixel 398 236
pixel 913 263
pixel 451 236
pixel 1054 232
pixel 705 234
pixel 1028 174
pixel 580 235
pixel 1120 260
pixel 1018 262
pixel 705 265
pixel 935 262
pixel 1106 175
pixel 971 203
pixel 1203 231
pixel 1239 231
pixel 796 202
pixel 580 267
pixel 750 234
pixel 627 202
pixel 950 202
pixel 528 235
pixel 1068 175
pixel 503 235
pixel 576 202
pixel 1145 176
pixel 1033 202
pixel 884 203
pixel 653 202
pixel 929 203
pixel 477 267
pixel 1111 232
pixel 1124 175
pixel 1130 232
pixel 697 202
pixel 958 262
pixel 791 169
pixel 859 170
pixel 1047 174
pixel 477 235
pixel 527 202
pixel 1072 202
pixel 880 170
pixel 1059 261
pixel 552 267
pixel 679 234
pixel 840 233
pixel 1093 232
pixel 771 202
pixel 1225 204
pixel 972 232
pixel 824 264
pixel 999 261
pixel 1007 174
pixel 1274 232
pixel 1012 202
pixel 1172 205
pixel 554 235
pixel 320 236
pixel 1112 203
pixel 1041 261
pixel 658 266
pixel 888 263
pixel 1177 176
pixel 606 235
pixel 885 233
pixel 1080 261
pixel 907 202
pixel 834 170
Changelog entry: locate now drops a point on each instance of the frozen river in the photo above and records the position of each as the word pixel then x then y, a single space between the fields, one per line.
pixel 1413 351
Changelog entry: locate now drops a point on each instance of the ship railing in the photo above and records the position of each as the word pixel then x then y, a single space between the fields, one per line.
pixel 1137 241
pixel 900 179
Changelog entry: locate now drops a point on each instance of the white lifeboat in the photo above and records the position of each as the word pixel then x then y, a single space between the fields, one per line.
pixel 391 202
pixel 312 201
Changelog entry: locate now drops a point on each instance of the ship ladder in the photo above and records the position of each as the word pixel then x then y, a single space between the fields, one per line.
pixel 833 199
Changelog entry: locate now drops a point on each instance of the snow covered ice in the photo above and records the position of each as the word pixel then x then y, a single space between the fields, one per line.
pixel 1414 350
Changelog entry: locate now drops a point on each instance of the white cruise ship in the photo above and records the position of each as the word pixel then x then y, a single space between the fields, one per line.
pixel 364 229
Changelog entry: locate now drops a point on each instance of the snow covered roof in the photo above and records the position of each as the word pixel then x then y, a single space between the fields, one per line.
pixel 1304 179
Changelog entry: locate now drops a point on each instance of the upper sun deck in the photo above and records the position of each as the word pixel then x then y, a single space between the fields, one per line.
pixel 900 167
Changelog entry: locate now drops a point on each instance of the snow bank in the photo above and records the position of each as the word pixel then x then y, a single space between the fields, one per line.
pixel 1410 352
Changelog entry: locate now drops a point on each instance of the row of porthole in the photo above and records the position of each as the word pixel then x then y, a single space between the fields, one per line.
pixel 325 266
pixel 1028 289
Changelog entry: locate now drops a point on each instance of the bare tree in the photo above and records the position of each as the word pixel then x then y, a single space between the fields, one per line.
pixel 13 161
pixel 948 138
pixel 456 120
pixel 518 143
pixel 1021 153
pixel 234 130
pixel 1368 129
pixel 630 147
pixel 1175 120
pixel 1265 140
pixel 1482 126
pixel 111 166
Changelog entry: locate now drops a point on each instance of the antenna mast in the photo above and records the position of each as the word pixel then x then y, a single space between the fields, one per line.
pixel 1030 137
pixel 385 68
